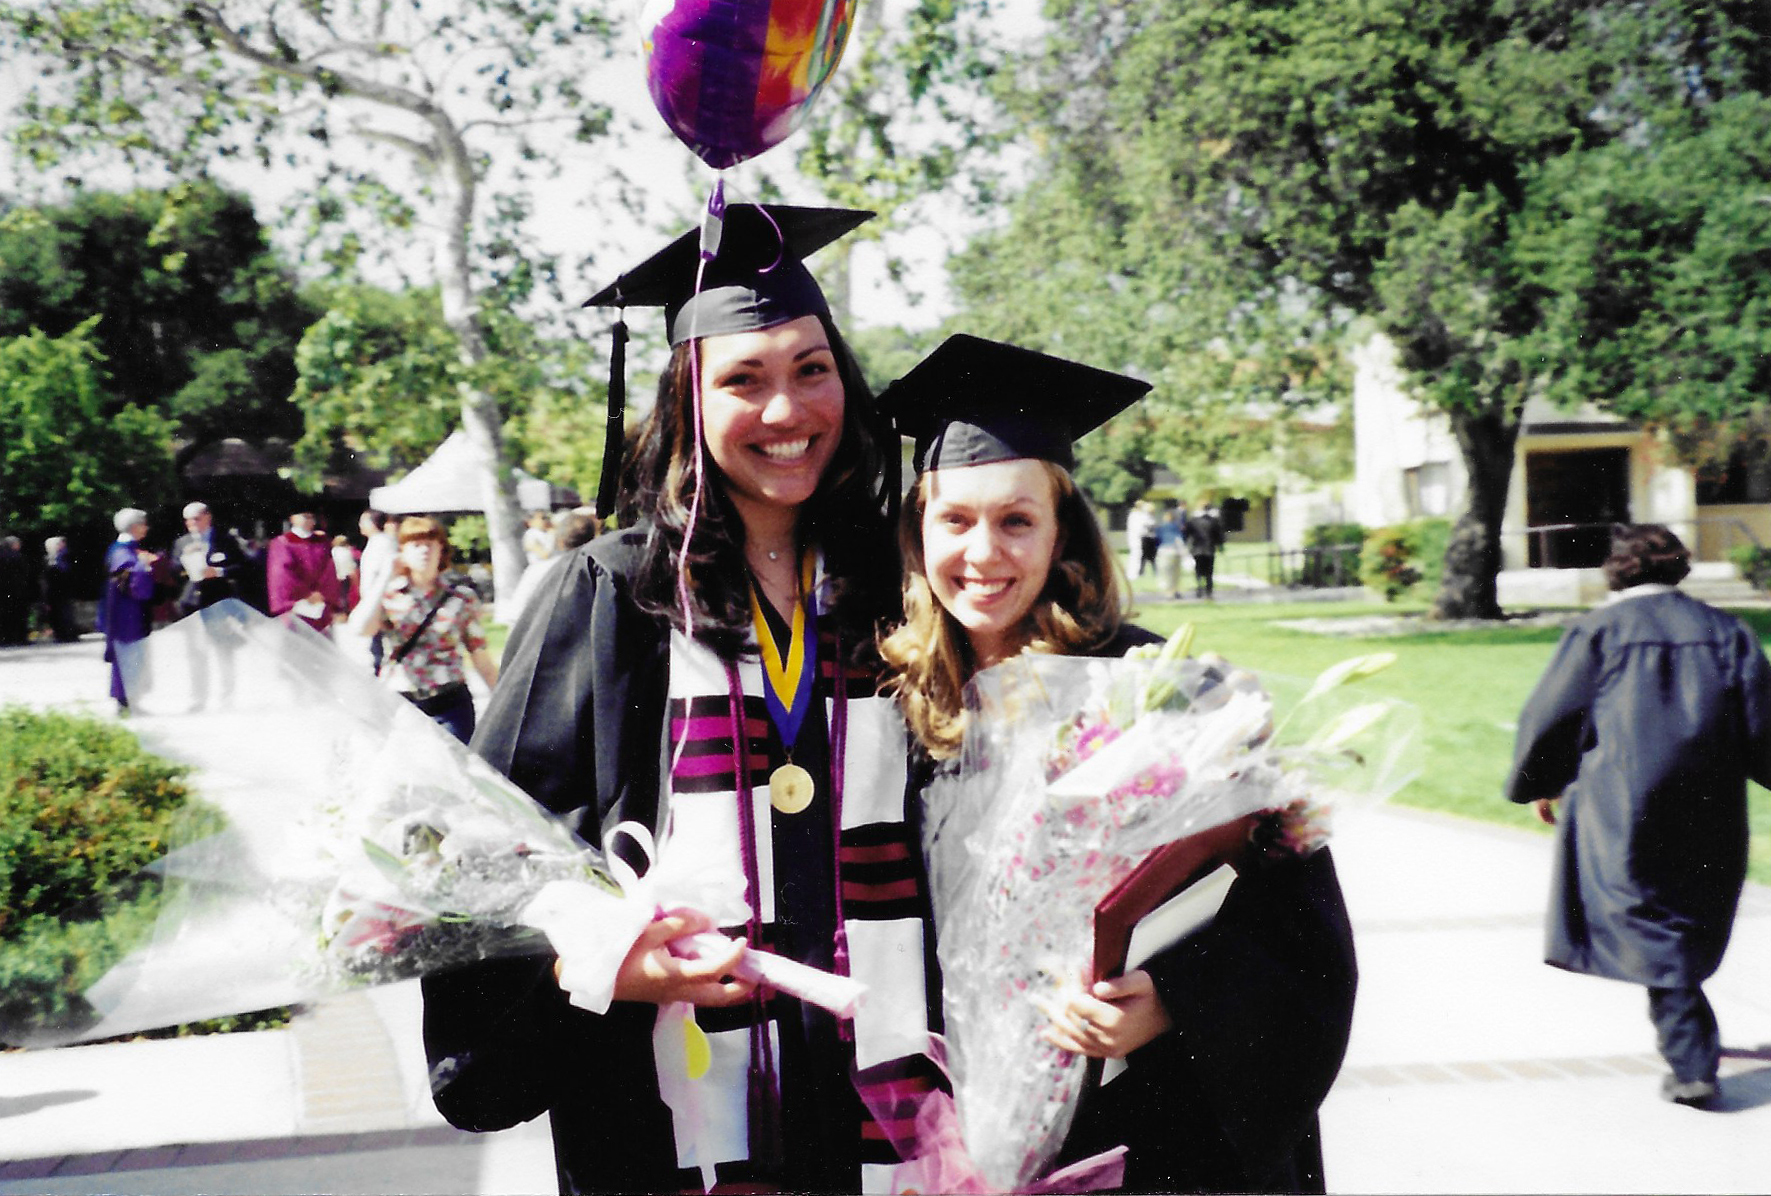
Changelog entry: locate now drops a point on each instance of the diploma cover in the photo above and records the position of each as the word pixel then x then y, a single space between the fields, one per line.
pixel 1163 873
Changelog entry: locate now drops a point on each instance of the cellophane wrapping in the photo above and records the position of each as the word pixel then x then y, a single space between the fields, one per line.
pixel 345 840
pixel 1072 770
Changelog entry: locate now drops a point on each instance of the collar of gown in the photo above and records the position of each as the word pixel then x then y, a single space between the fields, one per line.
pixel 1642 591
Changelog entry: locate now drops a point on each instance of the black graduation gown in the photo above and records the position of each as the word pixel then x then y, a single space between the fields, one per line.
pixel 1650 718
pixel 575 721
pixel 1262 1005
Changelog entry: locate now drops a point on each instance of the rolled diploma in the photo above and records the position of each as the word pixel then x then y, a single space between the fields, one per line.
pixel 839 994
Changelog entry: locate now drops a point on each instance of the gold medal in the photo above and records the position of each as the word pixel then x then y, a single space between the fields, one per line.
pixel 791 789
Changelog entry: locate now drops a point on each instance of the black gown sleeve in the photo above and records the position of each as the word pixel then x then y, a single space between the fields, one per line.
pixel 1755 695
pixel 1262 1005
pixel 495 1031
pixel 1555 726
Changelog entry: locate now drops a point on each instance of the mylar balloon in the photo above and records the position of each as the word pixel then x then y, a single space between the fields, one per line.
pixel 733 78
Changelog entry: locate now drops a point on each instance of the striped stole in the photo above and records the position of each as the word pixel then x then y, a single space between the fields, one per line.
pixel 880 874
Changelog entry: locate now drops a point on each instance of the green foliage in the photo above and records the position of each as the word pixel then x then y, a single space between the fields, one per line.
pixel 1386 563
pixel 191 297
pixel 83 809
pixel 1754 563
pixel 67 456
pixel 1220 186
pixel 469 538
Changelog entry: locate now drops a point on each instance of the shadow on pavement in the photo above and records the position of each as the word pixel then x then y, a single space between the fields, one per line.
pixel 18 1106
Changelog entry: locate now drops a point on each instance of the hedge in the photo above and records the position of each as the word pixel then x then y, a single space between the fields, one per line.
pixel 83 810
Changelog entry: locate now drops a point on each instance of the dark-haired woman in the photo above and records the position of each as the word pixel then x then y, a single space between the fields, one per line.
pixel 743 594
pixel 1232 1037
pixel 1650 718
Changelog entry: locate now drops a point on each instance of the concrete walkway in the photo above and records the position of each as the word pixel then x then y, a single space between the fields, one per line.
pixel 1473 1067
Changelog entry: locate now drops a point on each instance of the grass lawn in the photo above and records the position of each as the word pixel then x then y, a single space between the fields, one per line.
pixel 1469 686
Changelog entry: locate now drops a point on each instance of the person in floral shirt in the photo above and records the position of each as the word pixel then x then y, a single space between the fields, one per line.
pixel 426 623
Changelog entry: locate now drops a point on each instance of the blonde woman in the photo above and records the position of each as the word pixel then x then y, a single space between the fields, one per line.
pixel 1233 1036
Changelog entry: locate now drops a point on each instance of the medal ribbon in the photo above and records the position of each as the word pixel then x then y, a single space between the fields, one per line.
pixel 788 678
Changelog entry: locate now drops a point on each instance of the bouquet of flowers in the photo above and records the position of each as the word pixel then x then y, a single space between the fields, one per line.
pixel 1072 771
pixel 345 840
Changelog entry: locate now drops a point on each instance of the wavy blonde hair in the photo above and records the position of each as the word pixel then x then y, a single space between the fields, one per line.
pixel 928 657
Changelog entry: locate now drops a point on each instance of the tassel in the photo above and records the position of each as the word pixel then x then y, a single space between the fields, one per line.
pixel 615 431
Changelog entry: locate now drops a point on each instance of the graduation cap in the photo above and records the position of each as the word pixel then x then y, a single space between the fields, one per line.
pixel 974 401
pixel 755 278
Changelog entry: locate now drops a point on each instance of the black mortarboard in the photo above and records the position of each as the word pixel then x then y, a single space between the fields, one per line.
pixel 755 279
pixel 974 401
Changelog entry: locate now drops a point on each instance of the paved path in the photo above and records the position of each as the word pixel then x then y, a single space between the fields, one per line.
pixel 1473 1067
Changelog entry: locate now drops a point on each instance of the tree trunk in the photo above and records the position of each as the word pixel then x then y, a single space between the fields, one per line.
pixel 1472 558
pixel 480 417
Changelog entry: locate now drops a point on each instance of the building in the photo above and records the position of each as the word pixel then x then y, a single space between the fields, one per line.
pixel 1575 473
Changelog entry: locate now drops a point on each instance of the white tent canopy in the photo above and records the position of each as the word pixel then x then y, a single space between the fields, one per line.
pixel 449 480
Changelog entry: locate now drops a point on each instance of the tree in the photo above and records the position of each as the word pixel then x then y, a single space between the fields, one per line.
pixel 69 456
pixel 1257 172
pixel 429 118
pixel 196 310
pixel 1654 261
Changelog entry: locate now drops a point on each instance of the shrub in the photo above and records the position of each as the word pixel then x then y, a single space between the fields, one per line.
pixel 1385 563
pixel 83 810
pixel 1431 538
pixel 1754 564
pixel 1327 549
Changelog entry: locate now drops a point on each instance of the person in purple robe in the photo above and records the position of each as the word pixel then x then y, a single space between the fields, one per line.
pixel 302 580
pixel 125 608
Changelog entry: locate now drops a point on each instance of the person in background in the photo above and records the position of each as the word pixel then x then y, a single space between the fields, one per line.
pixel 381 546
pixel 16 593
pixel 426 622
pixel 300 577
pixel 538 537
pixel 577 526
pixel 1140 525
pixel 1204 535
pixel 58 590
pixel 125 607
pixel 1643 731
pixel 1233 1036
pixel 1171 538
pixel 209 561
pixel 345 558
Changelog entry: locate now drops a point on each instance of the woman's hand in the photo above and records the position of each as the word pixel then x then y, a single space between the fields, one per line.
pixel 1108 1020
pixel 651 973
pixel 1546 809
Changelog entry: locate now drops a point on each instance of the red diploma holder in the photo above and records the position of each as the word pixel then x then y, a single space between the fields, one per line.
pixel 1164 873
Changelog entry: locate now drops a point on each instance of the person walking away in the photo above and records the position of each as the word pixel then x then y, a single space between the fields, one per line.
pixel 1140 526
pixel 58 590
pixel 125 607
pixel 17 594
pixel 1636 745
pixel 300 577
pixel 1171 538
pixel 209 561
pixel 426 622
pixel 1205 535
pixel 345 558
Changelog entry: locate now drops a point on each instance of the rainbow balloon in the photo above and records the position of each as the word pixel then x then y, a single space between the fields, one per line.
pixel 733 78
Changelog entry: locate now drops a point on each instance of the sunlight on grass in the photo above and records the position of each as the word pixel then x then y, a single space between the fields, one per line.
pixel 1469 686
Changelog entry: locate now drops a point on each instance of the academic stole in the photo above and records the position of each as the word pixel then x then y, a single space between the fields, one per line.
pixel 879 880
pixel 789 678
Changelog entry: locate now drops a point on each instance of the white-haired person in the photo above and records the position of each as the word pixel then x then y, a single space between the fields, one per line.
pixel 126 605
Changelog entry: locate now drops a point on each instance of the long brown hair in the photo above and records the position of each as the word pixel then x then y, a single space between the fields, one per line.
pixel 1081 606
pixel 845 516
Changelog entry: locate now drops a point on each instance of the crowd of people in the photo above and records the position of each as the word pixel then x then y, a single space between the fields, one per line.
pixel 1156 542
